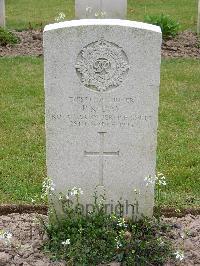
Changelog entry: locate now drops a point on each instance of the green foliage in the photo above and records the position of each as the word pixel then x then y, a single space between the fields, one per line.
pixel 7 37
pixel 169 26
pixel 96 237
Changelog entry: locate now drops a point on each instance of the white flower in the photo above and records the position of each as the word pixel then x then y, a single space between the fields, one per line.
pixel 76 191
pixel 80 191
pixel 162 182
pixel 182 235
pixel 47 187
pixel 67 197
pixel 179 255
pixel 160 174
pixel 150 180
pixel 118 243
pixel 61 16
pixel 67 242
pixel 121 223
pixel 33 200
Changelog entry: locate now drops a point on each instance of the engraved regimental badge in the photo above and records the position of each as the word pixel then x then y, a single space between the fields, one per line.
pixel 102 65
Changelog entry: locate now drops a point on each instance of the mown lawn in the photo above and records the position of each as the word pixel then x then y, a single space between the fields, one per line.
pixel 23 142
pixel 34 13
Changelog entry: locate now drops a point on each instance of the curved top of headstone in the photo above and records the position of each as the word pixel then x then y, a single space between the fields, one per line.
pixel 102 22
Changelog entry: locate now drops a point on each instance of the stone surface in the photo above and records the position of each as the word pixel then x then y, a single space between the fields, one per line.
pixel 2 13
pixel 4 258
pixel 100 9
pixel 102 94
pixel 198 20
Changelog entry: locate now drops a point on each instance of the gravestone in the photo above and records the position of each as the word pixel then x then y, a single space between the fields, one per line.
pixel 100 9
pixel 102 94
pixel 2 13
pixel 198 19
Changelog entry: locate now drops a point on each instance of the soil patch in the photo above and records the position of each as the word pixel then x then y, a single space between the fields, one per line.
pixel 25 247
pixel 185 45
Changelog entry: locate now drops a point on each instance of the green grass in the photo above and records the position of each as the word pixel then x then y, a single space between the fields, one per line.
pixel 22 129
pixel 184 11
pixel 23 142
pixel 179 131
pixel 24 13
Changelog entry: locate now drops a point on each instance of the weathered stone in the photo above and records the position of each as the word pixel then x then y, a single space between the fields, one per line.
pixel 2 13
pixel 4 258
pixel 100 9
pixel 102 94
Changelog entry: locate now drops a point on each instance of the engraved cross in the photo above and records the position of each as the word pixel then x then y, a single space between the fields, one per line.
pixel 101 153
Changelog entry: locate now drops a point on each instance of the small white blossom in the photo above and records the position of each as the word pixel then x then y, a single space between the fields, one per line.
pixel 118 243
pixel 182 235
pixel 67 197
pixel 160 180
pixel 76 191
pixel 150 180
pixel 121 223
pixel 179 255
pixel 61 16
pixel 33 200
pixel 67 242
pixel 47 187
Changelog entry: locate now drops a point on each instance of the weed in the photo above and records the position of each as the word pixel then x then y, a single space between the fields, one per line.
pixel 169 26
pixel 7 37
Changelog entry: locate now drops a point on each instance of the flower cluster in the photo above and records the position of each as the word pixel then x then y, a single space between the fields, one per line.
pixel 122 223
pixel 61 16
pixel 65 243
pixel 47 187
pixel 76 191
pixel 160 180
pixel 118 243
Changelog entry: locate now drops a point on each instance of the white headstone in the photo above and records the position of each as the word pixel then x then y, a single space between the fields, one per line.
pixel 198 20
pixel 100 9
pixel 102 94
pixel 2 13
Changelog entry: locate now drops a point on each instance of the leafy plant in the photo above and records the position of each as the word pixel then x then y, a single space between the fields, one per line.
pixel 169 26
pixel 7 37
pixel 98 237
